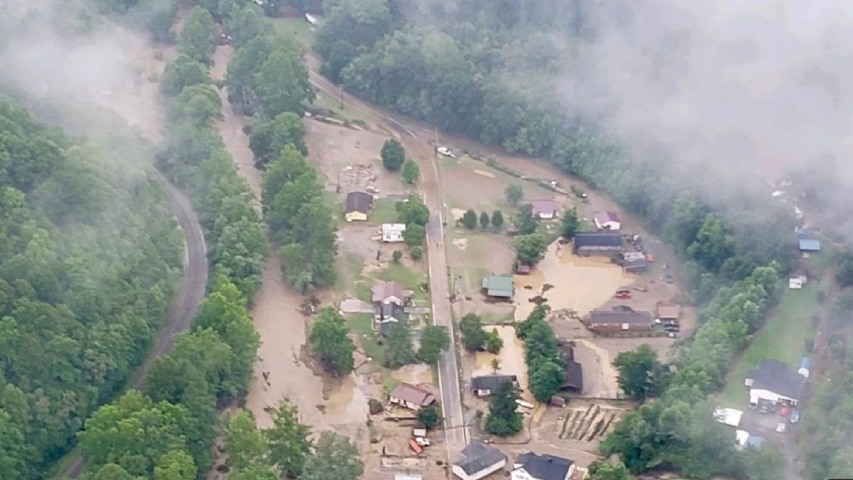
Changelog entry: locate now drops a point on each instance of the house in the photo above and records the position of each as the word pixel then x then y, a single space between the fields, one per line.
pixel 358 206
pixel 728 416
pixel 498 287
pixel 530 466
pixel 391 292
pixel 805 366
pixel 607 221
pixel 411 396
pixel 544 209
pixel 773 381
pixel 483 386
pixel 478 461
pixel 667 312
pixel 573 371
pixel 597 243
pixel 393 232
pixel 615 321
pixel 390 313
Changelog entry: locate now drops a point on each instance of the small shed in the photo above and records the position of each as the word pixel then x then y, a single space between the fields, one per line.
pixel 557 401
pixel 809 245
pixel 419 430
pixel 728 416
pixel 499 287
pixel 797 283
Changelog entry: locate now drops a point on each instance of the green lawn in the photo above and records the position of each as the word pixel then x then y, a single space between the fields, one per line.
pixel 411 278
pixel 384 211
pixel 362 324
pixel 297 27
pixel 783 339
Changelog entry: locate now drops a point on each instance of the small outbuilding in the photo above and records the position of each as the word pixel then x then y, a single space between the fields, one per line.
pixel 393 232
pixel 544 209
pixel 607 221
pixel 619 321
pixel 597 243
pixel 499 287
pixel 358 206
pixel 805 367
pixel 728 416
pixel 667 311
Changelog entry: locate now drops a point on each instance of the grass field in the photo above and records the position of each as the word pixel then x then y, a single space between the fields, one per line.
pixel 362 325
pixel 384 211
pixel 296 27
pixel 783 339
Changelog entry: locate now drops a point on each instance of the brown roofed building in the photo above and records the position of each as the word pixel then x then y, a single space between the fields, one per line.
pixel 668 311
pixel 410 396
pixel 391 292
pixel 357 206
pixel 544 209
pixel 616 321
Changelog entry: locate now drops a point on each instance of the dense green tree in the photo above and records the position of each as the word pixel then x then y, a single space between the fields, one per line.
pixel 181 73
pixel 240 76
pixel 608 470
pixel 112 471
pixel 341 53
pixel 546 380
pixel 469 219
pixel 135 434
pixel 197 39
pixel 525 221
pixel 514 194
pixel 434 341
pixel 334 457
pixel 570 224
pixel 530 248
pixel 269 136
pixel 416 252
pixel 767 463
pixel 430 416
pixel 281 83
pixel 289 441
pixel 362 23
pixel 330 343
pixel 497 219
pixel 393 155
pixel 494 342
pixel 256 472
pixel 844 274
pixel 411 172
pixel 175 465
pixel 641 374
pixel 245 23
pixel 485 221
pixel 713 245
pixel 538 315
pixel 156 16
pixel 245 444
pixel 413 211
pixel 198 105
pixel 503 419
pixel 399 350
pixel 414 235
pixel 473 335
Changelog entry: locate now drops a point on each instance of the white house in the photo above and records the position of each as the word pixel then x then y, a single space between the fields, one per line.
pixel 773 381
pixel 544 209
pixel 411 397
pixel 530 466
pixel 393 232
pixel 478 461
pixel 607 221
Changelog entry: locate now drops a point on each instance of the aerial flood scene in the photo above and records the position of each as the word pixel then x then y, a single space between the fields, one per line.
pixel 422 240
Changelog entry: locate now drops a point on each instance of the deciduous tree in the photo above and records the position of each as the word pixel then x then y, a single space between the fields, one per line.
pixel 289 441
pixel 497 219
pixel 434 341
pixel 530 248
pixel 469 219
pixel 335 457
pixel 393 155
pixel 503 419
pixel 473 335
pixel 330 343
pixel 399 349
pixel 641 375
pixel 570 224
pixel 411 172
pixel 197 39
pixel 514 194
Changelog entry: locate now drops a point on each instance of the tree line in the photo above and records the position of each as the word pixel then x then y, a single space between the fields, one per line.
pixel 211 365
pixel 733 257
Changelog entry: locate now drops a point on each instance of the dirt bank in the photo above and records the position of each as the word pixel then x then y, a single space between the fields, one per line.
pixel 577 283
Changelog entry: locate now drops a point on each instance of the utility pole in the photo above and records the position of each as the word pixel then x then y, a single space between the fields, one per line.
pixel 435 130
pixel 342 97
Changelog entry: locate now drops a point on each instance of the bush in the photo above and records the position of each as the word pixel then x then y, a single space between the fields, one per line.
pixel 396 256
pixel 393 155
pixel 416 252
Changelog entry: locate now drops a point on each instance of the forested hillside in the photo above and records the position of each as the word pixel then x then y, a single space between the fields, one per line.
pixel 88 264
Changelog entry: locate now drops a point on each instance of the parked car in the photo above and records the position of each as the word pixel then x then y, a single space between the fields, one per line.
pixel 795 416
pixel 446 152
pixel 781 427
pixel 784 410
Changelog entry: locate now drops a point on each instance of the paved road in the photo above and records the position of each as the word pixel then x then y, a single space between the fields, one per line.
pixel 190 294
pixel 416 141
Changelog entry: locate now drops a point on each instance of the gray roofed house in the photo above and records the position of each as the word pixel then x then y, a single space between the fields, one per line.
pixel 391 292
pixel 487 384
pixel 774 381
pixel 530 466
pixel 387 315
pixel 586 243
pixel 478 461
pixel 573 376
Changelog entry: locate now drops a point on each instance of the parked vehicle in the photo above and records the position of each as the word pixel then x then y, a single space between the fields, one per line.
pixel 446 152
pixel 795 416
pixel 781 427
pixel 422 441
pixel 784 410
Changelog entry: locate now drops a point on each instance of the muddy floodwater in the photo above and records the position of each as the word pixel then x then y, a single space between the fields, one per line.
pixel 511 359
pixel 577 283
pixel 416 374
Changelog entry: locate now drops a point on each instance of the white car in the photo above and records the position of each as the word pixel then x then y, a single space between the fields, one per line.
pixel 446 152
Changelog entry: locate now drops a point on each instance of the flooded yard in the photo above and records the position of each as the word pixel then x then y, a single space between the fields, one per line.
pixel 511 358
pixel 576 283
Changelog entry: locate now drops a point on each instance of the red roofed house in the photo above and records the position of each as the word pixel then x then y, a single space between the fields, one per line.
pixel 411 396
pixel 607 221
pixel 544 209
